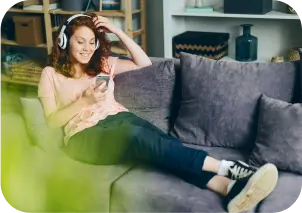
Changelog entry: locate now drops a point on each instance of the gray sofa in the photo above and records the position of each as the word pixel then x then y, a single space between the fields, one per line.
pixel 41 178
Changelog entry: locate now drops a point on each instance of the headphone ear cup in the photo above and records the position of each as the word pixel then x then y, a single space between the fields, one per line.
pixel 64 43
pixel 60 41
pixel 97 45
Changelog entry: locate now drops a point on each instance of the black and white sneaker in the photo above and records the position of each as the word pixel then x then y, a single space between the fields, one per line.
pixel 240 170
pixel 247 192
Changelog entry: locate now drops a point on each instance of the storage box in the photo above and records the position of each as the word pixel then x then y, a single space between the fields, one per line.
pixel 28 30
pixel 208 44
pixel 248 7
pixel 33 2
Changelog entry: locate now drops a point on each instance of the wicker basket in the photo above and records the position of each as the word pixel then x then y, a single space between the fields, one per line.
pixel 208 44
pixel 293 55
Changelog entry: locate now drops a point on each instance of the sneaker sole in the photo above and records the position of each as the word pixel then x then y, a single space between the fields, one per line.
pixel 259 186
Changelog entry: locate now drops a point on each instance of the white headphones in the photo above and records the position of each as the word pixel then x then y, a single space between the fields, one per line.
pixel 62 41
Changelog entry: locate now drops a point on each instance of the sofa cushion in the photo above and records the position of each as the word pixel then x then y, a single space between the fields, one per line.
pixel 284 195
pixel 221 153
pixel 149 189
pixel 148 92
pixel 46 138
pixel 279 135
pixel 219 99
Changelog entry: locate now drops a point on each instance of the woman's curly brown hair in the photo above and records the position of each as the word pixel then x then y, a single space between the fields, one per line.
pixel 60 59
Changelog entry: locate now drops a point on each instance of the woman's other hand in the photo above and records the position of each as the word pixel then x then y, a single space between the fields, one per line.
pixel 104 25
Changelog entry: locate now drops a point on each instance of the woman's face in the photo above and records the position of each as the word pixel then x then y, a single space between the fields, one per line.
pixel 82 45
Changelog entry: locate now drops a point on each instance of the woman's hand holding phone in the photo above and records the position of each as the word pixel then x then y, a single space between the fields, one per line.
pixel 93 95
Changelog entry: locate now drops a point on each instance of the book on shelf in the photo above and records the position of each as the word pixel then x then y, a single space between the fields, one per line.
pixel 40 7
pixel 200 9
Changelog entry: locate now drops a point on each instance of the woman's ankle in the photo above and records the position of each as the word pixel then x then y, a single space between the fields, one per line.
pixel 211 165
pixel 220 185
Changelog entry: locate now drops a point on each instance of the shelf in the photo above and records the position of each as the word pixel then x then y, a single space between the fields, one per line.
pixel 13 43
pixel 136 12
pixel 118 48
pixel 269 15
pixel 137 33
pixel 106 13
pixel 15 10
pixel 5 78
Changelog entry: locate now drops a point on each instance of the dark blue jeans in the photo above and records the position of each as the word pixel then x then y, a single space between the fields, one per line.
pixel 126 137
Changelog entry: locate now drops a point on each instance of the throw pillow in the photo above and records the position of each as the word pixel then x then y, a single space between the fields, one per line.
pixel 279 137
pixel 148 92
pixel 44 137
pixel 220 99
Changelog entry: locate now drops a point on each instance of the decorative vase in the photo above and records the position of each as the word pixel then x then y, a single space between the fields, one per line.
pixel 246 45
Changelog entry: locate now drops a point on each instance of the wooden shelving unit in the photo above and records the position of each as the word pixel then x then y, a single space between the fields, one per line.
pixel 14 10
pixel 13 43
pixel 101 13
pixel 117 47
pixel 5 78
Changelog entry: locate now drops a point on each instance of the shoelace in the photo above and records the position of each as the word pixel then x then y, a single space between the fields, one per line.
pixel 240 170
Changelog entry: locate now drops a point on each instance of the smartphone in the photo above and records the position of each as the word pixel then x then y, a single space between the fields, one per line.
pixel 99 79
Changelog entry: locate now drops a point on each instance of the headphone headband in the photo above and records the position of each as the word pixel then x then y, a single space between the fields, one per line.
pixel 75 16
pixel 62 36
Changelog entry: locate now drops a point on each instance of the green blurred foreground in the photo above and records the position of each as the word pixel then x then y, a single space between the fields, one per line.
pixel 36 181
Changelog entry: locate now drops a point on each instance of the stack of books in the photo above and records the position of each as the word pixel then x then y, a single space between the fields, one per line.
pixel 29 71
pixel 200 9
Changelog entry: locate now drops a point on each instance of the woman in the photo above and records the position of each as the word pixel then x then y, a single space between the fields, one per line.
pixel 98 130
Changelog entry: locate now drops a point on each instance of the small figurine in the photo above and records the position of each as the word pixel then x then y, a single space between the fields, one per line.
pixel 199 3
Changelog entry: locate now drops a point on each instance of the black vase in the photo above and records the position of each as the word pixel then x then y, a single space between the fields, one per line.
pixel 246 45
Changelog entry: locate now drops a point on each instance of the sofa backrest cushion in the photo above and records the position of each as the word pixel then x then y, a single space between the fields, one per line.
pixel 219 105
pixel 148 92
pixel 47 139
pixel 279 135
